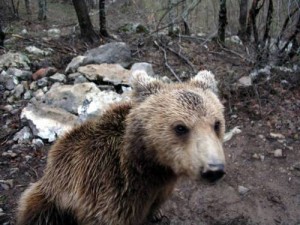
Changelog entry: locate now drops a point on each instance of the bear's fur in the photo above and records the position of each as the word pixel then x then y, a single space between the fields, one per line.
pixel 119 168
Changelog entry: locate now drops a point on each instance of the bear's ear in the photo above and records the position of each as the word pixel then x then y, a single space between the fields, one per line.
pixel 205 80
pixel 143 85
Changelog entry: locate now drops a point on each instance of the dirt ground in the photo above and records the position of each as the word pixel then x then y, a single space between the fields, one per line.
pixel 258 188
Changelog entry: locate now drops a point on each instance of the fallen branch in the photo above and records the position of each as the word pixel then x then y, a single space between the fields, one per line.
pixel 166 61
pixel 184 58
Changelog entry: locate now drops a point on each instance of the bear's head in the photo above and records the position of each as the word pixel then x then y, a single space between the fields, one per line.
pixel 180 125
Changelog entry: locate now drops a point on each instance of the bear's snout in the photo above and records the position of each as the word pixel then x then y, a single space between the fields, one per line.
pixel 214 173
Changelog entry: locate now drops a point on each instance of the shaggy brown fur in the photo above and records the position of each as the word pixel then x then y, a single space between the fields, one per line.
pixel 119 168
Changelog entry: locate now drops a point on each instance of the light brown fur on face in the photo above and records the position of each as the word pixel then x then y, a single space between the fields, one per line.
pixel 119 168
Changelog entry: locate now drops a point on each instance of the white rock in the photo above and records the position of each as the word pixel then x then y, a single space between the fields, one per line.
pixel 37 51
pixel 19 90
pixel 48 122
pixel 147 67
pixel 70 97
pixel 243 190
pixel 74 64
pixel 95 105
pixel 58 77
pixel 277 136
pixel 231 133
pixel 245 81
pixel 113 73
pixel 23 136
pixel 278 153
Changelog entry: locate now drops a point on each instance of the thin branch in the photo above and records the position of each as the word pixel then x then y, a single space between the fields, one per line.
pixel 166 61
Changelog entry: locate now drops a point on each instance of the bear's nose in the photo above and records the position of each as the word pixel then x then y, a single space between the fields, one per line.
pixel 215 172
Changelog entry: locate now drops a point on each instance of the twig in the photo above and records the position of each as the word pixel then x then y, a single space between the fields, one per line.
pixel 184 58
pixel 166 61
pixel 237 54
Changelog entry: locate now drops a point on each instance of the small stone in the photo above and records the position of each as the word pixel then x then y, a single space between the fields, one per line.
pixel 245 81
pixel 8 108
pixel 8 184
pixel 37 143
pixel 19 90
pixel 243 190
pixel 33 86
pixel 23 136
pixel 58 77
pixel 255 156
pixel 261 137
pixel 42 82
pixel 44 72
pixel 277 136
pixel 39 94
pixel 10 154
pixel 143 66
pixel 296 166
pixel 9 84
pixel 11 99
pixel 278 153
pixel 27 95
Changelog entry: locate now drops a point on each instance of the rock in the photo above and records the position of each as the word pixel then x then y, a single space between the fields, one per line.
pixel 234 39
pixel 8 81
pixel 147 67
pixel 74 64
pixel 47 122
pixel 42 82
pixel 113 73
pixel 296 166
pixel 8 108
pixel 77 78
pixel 70 97
pixel 37 51
pixel 245 81
pixel 23 136
pixel 11 59
pixel 58 77
pixel 8 184
pixel 243 190
pixel 37 143
pixel 231 133
pixel 166 79
pixel 44 72
pixel 94 105
pixel 278 153
pixel 277 136
pixel 20 74
pixel 111 53
pixel 33 86
pixel 19 90
pixel 39 94
pixel 54 33
pixel 27 95
pixel 10 154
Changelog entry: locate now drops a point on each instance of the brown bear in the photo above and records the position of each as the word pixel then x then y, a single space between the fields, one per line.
pixel 119 168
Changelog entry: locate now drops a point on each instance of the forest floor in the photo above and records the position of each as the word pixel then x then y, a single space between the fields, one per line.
pixel 260 187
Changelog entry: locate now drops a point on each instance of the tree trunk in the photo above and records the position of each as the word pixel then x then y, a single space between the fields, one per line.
pixel 85 24
pixel 222 21
pixel 102 19
pixel 28 7
pixel 172 16
pixel 243 19
pixel 42 15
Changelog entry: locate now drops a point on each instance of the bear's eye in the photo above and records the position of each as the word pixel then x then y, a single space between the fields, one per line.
pixel 181 129
pixel 217 127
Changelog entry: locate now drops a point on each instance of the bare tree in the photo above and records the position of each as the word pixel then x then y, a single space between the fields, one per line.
pixel 85 24
pixel 102 19
pixel 243 19
pixel 42 14
pixel 222 21
pixel 28 7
